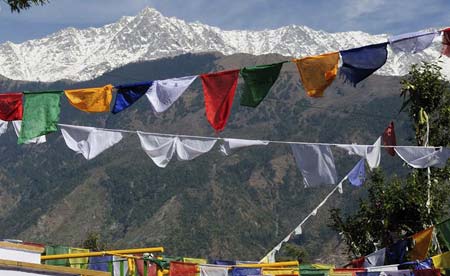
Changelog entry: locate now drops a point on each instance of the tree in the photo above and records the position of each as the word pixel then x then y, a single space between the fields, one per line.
pixel 94 243
pixel 396 208
pixel 19 5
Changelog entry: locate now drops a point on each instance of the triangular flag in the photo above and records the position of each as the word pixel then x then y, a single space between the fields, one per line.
pixel 38 140
pixel 359 63
pixel 412 42
pixel 258 81
pixel 316 163
pixel 424 157
pixel 230 144
pixel 95 99
pixel 422 242
pixel 11 107
pixel 128 94
pixel 40 114
pixel 317 72
pixel 375 259
pixel 161 148
pixel 163 93
pixel 446 42
pixel 219 89
pixel 389 138
pixel 357 175
pixel 89 141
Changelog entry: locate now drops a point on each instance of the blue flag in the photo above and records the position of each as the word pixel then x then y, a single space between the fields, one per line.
pixel 244 271
pixel 127 94
pixel 357 175
pixel 359 63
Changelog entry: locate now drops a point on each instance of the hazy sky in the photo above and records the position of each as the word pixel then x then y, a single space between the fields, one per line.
pixel 373 16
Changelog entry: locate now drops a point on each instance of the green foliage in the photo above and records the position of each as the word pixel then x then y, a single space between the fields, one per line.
pixel 94 242
pixel 291 252
pixel 395 208
pixel 19 5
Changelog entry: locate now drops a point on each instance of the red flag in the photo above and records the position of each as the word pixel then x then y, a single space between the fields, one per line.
pixel 446 42
pixel 11 107
pixel 218 89
pixel 389 138
pixel 151 268
pixel 182 269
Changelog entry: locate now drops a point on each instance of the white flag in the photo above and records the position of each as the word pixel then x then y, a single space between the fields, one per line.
pixel 208 270
pixel 372 154
pixel 424 157
pixel 89 141
pixel 230 144
pixel 38 140
pixel 161 148
pixel 3 126
pixel 163 93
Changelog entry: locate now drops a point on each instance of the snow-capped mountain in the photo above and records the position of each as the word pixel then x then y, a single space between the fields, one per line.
pixel 87 53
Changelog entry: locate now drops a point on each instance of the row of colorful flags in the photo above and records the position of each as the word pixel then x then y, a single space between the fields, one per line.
pixel 39 111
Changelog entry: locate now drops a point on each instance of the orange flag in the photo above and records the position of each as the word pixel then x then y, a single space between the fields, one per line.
pixel 317 72
pixel 95 99
pixel 422 241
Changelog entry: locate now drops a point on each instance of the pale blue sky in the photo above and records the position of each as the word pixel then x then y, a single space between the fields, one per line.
pixel 373 16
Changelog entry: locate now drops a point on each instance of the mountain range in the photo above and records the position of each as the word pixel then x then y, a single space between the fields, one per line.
pixel 84 54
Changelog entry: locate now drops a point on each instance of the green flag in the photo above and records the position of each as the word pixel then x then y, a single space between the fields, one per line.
pixel 443 231
pixel 258 81
pixel 40 114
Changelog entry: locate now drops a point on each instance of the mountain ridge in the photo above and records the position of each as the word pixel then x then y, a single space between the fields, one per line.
pixel 84 54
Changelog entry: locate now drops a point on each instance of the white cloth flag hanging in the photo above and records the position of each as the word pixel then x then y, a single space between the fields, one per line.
pixel 116 266
pixel 316 163
pixel 89 141
pixel 424 157
pixel 38 140
pixel 231 144
pixel 163 93
pixel 372 154
pixel 3 126
pixel 161 148
pixel 206 270
pixel 375 259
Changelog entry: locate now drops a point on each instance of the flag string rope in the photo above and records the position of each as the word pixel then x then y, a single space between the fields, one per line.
pixel 264 140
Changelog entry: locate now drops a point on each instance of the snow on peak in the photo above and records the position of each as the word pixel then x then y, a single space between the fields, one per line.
pixel 83 54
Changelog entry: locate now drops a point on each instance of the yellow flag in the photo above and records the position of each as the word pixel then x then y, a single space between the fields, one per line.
pixel 78 262
pixel 422 241
pixel 442 261
pixel 195 260
pixel 95 99
pixel 318 72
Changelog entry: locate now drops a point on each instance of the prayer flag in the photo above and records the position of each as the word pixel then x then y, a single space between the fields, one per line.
pixel 412 42
pixel 316 163
pixel 396 253
pixel 81 263
pixel 161 148
pixel 11 107
pixel 375 259
pixel 100 263
pixel 317 72
pixel 421 241
pixel 389 139
pixel 206 270
pixel 443 230
pixel 258 81
pixel 244 271
pixel 38 140
pixel 424 157
pixel 151 268
pixel 163 93
pixel 219 89
pixel 89 141
pixel 446 42
pixel 120 266
pixel 359 63
pixel 427 272
pixel 372 154
pixel 40 115
pixel 95 99
pixel 182 269
pixel 128 94
pixel 230 144
pixel 357 175
pixel 3 127
pixel 442 261
pixel 56 250
pixel 195 260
